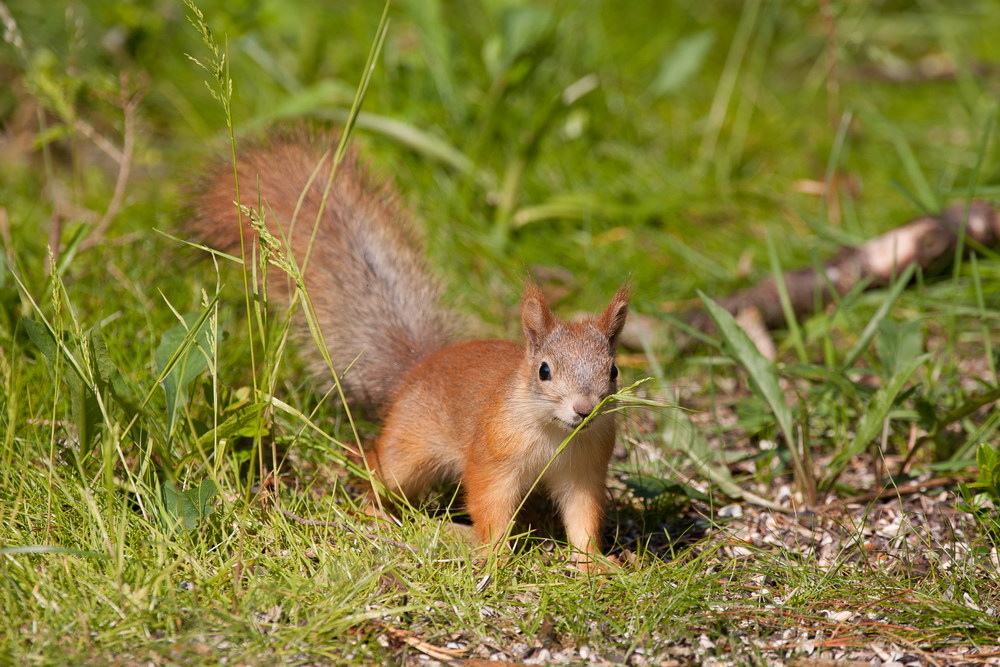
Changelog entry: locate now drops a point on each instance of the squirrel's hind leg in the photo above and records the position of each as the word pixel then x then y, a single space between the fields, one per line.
pixel 491 500
pixel 406 467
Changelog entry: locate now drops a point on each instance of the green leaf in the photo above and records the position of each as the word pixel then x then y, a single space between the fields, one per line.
pixel 682 63
pixel 872 420
pixel 108 374
pixel 649 487
pixel 761 373
pixel 106 369
pixel 898 342
pixel 85 410
pixel 190 362
pixel 989 469
pixel 880 314
pixel 245 422
pixel 985 457
pixel 41 337
pixel 204 495
pixel 322 95
pixel 523 30
pixel 189 508
pixel 418 140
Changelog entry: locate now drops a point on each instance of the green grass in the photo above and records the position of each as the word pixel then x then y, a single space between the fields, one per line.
pixel 155 417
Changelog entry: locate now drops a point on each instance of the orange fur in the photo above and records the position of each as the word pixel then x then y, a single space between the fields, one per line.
pixel 489 413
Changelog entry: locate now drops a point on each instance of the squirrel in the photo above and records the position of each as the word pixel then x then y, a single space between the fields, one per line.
pixel 488 413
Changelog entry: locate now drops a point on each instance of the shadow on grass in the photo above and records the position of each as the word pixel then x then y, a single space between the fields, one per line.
pixel 658 529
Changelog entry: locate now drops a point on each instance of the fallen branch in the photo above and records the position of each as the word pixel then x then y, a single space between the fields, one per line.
pixel 929 242
pixel 446 655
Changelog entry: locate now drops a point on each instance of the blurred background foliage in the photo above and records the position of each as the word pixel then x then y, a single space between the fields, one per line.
pixel 660 140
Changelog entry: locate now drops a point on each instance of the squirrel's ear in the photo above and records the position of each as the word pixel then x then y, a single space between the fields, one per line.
pixel 612 320
pixel 536 318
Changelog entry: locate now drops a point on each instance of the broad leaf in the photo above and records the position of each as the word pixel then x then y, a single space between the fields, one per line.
pixel 682 62
pixel 245 422
pixel 649 487
pixel 85 410
pixel 989 470
pixel 189 508
pixel 106 369
pixel 898 342
pixel 41 337
pixel 189 364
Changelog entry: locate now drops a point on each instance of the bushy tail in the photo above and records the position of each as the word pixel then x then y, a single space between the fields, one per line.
pixel 374 297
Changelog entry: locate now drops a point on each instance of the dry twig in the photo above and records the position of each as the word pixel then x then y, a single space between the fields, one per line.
pixel 129 104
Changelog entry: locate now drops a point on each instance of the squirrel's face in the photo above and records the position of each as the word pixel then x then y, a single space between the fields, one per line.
pixel 570 366
pixel 574 370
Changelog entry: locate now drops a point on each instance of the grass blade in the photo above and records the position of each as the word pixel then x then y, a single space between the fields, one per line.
pixel 873 420
pixel 48 549
pixel 417 140
pixel 681 434
pixel 923 191
pixel 880 314
pixel 760 371
pixel 794 332
pixel 764 382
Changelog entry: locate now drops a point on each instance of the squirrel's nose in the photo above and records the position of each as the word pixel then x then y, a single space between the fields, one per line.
pixel 585 405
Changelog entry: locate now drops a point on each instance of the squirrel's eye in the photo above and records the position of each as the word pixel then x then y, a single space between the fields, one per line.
pixel 614 372
pixel 544 372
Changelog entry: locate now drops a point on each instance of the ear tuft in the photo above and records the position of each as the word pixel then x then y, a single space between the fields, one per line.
pixel 536 318
pixel 612 320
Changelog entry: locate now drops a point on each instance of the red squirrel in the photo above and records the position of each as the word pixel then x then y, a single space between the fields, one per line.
pixel 488 413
